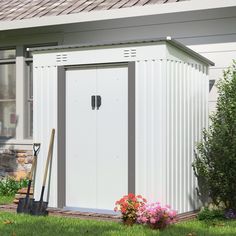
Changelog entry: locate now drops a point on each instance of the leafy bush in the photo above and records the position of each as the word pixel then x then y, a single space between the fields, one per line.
pixel 211 214
pixel 156 216
pixel 215 161
pixel 10 186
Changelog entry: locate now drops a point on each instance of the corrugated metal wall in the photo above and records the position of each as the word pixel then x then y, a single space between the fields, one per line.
pixel 171 110
pixel 150 145
pixel 187 97
pixel 45 118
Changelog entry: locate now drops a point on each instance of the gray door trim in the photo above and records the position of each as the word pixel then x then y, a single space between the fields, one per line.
pixel 61 164
pixel 131 127
pixel 61 131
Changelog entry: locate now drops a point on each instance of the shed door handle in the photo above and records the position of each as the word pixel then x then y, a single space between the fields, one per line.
pixel 93 102
pixel 99 102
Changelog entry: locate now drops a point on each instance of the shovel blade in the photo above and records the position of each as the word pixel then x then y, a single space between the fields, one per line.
pixel 25 205
pixel 39 208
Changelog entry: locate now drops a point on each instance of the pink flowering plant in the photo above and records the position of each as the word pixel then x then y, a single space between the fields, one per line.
pixel 129 205
pixel 156 216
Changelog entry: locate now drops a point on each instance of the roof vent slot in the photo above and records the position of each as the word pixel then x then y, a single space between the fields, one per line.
pixel 61 57
pixel 128 53
pixel 64 57
pixel 133 52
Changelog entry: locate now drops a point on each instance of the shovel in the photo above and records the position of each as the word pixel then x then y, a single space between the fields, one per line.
pixel 39 208
pixel 25 204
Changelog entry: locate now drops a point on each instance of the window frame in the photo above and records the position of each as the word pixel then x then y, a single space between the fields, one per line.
pixel 8 61
pixel 28 100
pixel 22 99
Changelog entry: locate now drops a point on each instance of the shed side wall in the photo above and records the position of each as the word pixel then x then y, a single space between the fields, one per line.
pixel 187 102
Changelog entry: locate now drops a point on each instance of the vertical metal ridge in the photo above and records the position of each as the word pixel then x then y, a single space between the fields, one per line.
pixel 153 64
pixel 175 135
pixel 148 114
pixel 188 133
pixel 185 128
pixel 145 125
pixel 182 130
pixel 168 98
pixel 172 184
pixel 180 139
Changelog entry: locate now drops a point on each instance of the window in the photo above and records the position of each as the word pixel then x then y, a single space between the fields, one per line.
pixel 16 93
pixel 8 119
pixel 211 84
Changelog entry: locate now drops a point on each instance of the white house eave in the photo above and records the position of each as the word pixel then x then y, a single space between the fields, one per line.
pixel 179 7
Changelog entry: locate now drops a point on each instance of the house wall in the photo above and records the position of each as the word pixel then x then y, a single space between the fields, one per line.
pixel 212 35
pixel 213 38
pixel 15 163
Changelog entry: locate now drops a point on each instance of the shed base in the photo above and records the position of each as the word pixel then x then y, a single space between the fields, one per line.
pixel 93 216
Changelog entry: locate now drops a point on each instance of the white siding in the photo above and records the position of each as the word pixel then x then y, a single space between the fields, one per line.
pixel 186 116
pixel 222 54
pixel 45 118
pixel 150 128
pixel 171 110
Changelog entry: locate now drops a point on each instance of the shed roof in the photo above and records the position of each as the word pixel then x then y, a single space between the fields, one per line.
pixel 24 9
pixel 167 39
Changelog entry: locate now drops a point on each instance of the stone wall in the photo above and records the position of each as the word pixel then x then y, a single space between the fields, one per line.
pixel 15 163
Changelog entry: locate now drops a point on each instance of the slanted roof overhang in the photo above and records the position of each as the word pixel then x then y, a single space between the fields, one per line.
pixel 167 39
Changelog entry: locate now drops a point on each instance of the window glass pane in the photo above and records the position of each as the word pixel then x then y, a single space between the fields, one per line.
pixel 30 128
pixel 29 67
pixel 8 54
pixel 7 81
pixel 8 119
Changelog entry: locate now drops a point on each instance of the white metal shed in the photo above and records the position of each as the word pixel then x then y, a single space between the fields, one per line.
pixel 127 118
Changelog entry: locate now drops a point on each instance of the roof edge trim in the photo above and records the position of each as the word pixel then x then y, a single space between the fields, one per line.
pixel 167 39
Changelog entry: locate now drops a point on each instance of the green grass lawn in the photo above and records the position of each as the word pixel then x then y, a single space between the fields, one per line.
pixel 6 199
pixel 22 225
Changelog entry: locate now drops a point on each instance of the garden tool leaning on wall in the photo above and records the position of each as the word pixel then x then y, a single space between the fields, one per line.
pixel 25 204
pixel 39 208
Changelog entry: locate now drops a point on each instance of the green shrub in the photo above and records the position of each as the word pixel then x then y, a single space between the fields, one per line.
pixel 10 186
pixel 215 163
pixel 211 214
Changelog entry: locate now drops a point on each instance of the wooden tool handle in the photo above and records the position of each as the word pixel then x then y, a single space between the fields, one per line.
pixel 49 157
pixel 32 168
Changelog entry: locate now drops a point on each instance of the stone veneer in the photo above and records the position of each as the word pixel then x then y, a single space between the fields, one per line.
pixel 15 163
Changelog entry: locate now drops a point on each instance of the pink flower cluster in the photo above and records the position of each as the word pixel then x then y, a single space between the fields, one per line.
pixel 155 215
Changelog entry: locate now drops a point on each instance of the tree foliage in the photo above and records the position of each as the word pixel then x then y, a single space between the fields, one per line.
pixel 215 163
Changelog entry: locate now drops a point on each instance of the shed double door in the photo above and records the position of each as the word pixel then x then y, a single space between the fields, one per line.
pixel 96 136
